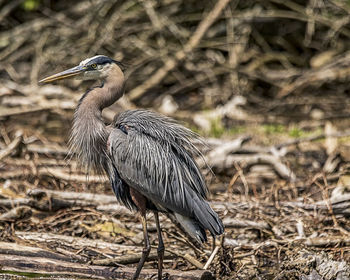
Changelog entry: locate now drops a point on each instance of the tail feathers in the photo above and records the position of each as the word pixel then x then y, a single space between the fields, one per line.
pixel 207 217
pixel 203 217
pixel 192 227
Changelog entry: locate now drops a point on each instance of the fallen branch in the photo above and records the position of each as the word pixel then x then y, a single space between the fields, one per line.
pixel 48 199
pixel 221 163
pixel 130 259
pixel 187 257
pixel 88 197
pixel 41 149
pixel 12 146
pixel 319 266
pixel 211 258
pixel 227 148
pixel 58 173
pixel 7 248
pixel 237 223
pixel 10 112
pixel 75 243
pixel 63 268
pixel 16 213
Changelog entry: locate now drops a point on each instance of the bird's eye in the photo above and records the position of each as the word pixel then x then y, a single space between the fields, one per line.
pixel 123 128
pixel 93 65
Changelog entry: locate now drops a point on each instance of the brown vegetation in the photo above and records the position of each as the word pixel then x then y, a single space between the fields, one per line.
pixel 266 83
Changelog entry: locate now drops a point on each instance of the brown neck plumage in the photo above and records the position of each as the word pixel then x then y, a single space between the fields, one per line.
pixel 89 133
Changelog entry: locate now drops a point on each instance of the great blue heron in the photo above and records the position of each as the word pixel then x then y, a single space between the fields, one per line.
pixel 147 157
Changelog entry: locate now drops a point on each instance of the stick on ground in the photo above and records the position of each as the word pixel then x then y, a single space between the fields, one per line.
pixel 63 268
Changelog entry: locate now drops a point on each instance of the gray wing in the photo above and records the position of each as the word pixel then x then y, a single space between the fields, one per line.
pixel 154 155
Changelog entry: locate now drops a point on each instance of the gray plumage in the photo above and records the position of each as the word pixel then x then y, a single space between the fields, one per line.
pixel 155 155
pixel 148 157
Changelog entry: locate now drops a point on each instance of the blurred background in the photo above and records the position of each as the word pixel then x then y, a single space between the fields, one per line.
pixel 265 82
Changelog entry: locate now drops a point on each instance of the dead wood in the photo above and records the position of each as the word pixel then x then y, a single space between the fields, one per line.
pixel 7 248
pixel 48 199
pixel 10 203
pixel 12 146
pixel 222 163
pixel 40 149
pixel 115 208
pixel 236 223
pixel 106 248
pixel 88 197
pixel 336 69
pixel 59 174
pixel 224 149
pixel 171 63
pixel 11 112
pixel 63 268
pixel 130 259
pixel 186 257
pixel 225 155
pixel 17 213
pixel 321 206
pixel 317 266
pixel 324 241
pixel 75 243
pixel 39 162
pixel 55 172
pixel 306 242
pixel 211 258
pixel 275 70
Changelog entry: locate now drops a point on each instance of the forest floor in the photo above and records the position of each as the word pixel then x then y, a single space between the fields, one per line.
pixel 284 201
pixel 266 83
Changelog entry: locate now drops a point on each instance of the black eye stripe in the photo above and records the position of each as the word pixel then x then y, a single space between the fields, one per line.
pixel 94 66
pixel 101 60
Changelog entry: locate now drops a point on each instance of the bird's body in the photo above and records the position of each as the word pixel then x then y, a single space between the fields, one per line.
pixel 148 157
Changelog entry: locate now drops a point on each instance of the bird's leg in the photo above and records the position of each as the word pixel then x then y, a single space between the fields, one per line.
pixel 160 249
pixel 146 248
pixel 213 245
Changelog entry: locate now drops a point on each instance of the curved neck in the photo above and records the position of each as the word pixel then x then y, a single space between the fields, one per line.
pixel 89 134
pixel 111 90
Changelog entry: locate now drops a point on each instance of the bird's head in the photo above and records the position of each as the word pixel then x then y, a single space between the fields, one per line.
pixel 94 68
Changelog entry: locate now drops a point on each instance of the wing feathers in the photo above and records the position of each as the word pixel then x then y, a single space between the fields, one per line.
pixel 156 158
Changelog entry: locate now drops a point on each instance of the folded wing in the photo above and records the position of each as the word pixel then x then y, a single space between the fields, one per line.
pixel 154 155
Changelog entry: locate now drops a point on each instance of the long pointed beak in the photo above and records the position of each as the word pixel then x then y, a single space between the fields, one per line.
pixel 65 74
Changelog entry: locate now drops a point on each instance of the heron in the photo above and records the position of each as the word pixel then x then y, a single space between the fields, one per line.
pixel 149 158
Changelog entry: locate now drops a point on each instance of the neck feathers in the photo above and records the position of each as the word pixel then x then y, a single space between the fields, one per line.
pixel 88 139
pixel 89 134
